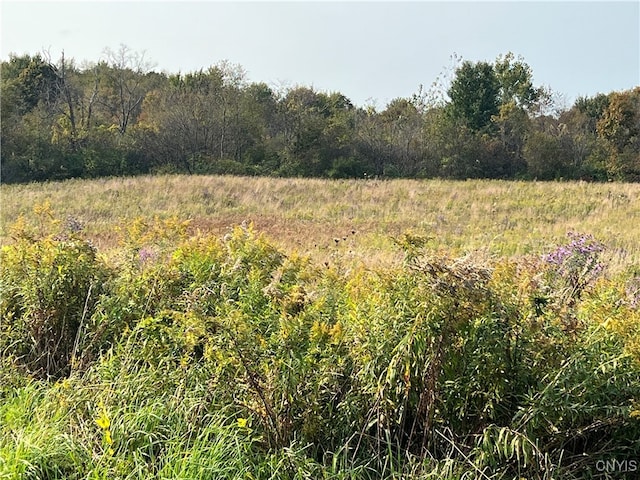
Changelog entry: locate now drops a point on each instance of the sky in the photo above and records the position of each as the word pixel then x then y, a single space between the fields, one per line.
pixel 372 52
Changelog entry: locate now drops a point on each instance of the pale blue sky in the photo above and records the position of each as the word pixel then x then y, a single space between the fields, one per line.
pixel 366 50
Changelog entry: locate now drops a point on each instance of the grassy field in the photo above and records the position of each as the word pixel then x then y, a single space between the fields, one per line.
pixel 308 215
pixel 357 330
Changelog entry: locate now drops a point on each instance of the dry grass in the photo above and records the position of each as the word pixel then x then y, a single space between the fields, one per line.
pixel 352 218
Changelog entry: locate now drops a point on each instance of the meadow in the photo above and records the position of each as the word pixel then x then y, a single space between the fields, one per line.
pixel 308 215
pixel 237 327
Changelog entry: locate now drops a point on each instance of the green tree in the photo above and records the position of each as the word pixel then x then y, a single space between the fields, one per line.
pixel 29 96
pixel 475 95
pixel 259 119
pixel 179 124
pixel 71 126
pixel 512 124
pixel 589 151
pixel 619 127
pixel 369 143
pixel 515 79
pixel 26 82
pixel 316 130
pixel 519 99
pixel 197 122
pixel 592 109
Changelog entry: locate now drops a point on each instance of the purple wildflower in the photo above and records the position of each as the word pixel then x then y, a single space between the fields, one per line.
pixel 558 256
pixel 145 255
pixel 577 263
pixel 581 248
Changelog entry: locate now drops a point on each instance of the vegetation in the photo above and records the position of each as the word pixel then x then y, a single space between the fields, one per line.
pixel 174 350
pixel 309 215
pixel 119 117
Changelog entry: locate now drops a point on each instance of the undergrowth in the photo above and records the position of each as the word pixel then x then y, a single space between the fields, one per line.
pixel 206 357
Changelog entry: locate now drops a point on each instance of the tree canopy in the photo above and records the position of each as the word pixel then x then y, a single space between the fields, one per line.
pixel 120 117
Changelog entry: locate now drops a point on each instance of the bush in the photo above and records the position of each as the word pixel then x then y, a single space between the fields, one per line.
pixel 49 288
pixel 271 332
pixel 347 167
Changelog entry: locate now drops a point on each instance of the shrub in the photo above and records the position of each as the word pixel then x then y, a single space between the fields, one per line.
pixel 49 288
pixel 272 334
pixel 434 350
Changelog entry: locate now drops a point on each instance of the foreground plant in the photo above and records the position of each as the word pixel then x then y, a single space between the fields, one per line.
pixel 228 358
pixel 50 285
pixel 575 266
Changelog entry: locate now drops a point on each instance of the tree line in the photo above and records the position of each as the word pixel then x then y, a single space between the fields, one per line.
pixel 120 117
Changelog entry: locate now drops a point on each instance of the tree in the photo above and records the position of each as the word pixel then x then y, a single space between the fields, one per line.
pixel 512 127
pixel 475 95
pixel 118 117
pixel 124 72
pixel 259 109
pixel 589 152
pixel 29 97
pixel 369 144
pixel 401 124
pixel 179 123
pixel 619 127
pixel 32 80
pixel 74 115
pixel 196 122
pixel 592 109
pixel 307 116
pixel 515 79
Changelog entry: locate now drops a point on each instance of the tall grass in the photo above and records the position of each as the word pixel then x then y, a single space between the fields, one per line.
pixel 318 216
